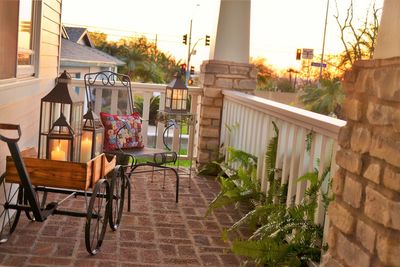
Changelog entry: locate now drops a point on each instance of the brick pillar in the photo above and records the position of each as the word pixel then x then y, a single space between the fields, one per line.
pixel 365 216
pixel 217 75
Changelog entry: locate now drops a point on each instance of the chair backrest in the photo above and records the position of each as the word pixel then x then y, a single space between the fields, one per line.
pixel 98 83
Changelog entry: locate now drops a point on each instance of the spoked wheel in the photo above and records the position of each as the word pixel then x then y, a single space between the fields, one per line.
pixel 117 197
pixel 39 195
pixel 9 217
pixel 97 216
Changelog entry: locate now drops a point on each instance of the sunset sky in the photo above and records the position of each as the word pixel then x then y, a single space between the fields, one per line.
pixel 277 27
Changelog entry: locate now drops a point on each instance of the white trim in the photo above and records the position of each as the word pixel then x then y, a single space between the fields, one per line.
pixel 24 71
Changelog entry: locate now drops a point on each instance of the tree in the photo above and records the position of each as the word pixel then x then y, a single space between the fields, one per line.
pixel 98 39
pixel 358 41
pixel 326 99
pixel 265 74
pixel 144 62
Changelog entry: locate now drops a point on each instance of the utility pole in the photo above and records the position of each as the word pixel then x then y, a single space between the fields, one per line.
pixel 189 53
pixel 323 42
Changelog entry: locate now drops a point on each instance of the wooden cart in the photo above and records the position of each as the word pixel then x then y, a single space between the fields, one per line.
pixel 99 181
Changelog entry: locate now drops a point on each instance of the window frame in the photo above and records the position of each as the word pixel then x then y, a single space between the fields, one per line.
pixel 32 70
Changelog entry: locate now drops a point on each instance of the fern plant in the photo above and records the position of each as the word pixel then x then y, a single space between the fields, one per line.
pixel 237 184
pixel 284 234
pixel 281 235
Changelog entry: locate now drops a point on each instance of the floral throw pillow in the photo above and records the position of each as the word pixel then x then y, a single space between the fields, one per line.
pixel 129 137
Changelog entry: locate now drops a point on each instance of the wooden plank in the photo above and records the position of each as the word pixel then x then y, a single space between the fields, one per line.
pixel 55 5
pixel 62 174
pixel 51 13
pixel 43 172
pixel 50 26
pixel 49 49
pixel 29 153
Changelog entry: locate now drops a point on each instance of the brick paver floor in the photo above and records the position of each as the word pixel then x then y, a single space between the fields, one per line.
pixel 157 232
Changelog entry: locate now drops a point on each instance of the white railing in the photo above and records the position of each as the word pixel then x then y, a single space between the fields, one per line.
pixel 147 90
pixel 306 140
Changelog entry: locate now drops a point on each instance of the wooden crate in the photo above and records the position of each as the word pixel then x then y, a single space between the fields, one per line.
pixel 62 174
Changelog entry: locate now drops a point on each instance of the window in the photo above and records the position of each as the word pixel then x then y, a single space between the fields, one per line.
pixel 17 40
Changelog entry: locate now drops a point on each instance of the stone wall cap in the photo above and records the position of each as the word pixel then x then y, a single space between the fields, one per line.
pixel 230 63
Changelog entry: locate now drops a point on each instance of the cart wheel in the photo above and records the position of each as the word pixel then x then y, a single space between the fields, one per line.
pixel 118 196
pixel 29 214
pixel 9 217
pixel 97 216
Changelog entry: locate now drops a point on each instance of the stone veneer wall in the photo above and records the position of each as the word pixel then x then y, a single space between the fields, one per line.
pixel 365 216
pixel 217 75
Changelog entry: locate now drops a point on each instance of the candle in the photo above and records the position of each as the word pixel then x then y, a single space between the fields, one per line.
pixel 58 154
pixel 86 150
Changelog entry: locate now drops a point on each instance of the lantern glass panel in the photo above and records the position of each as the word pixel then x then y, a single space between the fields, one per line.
pixel 99 143
pixel 59 149
pixel 86 146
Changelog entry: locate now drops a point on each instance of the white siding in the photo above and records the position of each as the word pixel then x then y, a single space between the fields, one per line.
pixel 20 100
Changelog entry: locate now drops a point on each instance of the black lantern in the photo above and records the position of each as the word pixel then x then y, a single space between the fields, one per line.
pixel 176 96
pixel 60 141
pixel 92 136
pixel 60 100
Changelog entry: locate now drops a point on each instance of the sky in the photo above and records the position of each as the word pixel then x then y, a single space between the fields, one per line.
pixel 278 27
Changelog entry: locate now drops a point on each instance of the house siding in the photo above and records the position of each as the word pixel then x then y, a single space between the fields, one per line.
pixel 20 100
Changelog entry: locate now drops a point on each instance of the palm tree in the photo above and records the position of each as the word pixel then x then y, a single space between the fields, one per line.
pixel 325 100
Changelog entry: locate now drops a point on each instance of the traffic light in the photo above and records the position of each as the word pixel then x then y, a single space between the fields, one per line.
pixel 183 69
pixel 298 54
pixel 207 42
pixel 191 70
pixel 184 41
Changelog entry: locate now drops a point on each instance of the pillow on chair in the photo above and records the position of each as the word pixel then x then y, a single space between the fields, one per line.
pixel 129 137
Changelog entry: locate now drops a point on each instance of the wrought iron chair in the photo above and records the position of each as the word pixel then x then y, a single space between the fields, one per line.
pixel 131 158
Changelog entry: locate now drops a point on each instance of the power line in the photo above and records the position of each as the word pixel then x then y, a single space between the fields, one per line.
pixel 117 30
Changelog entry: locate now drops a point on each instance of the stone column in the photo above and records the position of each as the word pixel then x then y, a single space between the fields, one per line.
pixel 365 216
pixel 228 69
pixel 216 76
pixel 388 44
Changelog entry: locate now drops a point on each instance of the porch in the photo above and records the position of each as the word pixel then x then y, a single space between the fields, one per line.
pixel 157 232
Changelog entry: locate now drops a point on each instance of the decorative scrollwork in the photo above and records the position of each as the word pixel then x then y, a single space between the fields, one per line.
pixel 104 79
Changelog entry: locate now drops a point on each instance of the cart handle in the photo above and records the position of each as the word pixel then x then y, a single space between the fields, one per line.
pixel 16 127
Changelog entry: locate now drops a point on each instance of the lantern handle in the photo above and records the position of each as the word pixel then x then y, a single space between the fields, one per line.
pixel 16 127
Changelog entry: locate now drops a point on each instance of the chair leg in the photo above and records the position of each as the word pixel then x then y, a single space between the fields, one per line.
pixel 128 185
pixel 163 185
pixel 177 184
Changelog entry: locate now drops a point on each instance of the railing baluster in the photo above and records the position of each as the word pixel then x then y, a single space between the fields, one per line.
pixel 160 125
pixel 145 116
pixel 114 101
pixel 98 100
pixel 304 157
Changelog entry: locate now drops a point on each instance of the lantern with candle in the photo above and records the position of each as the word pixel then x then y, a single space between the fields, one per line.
pixel 92 136
pixel 60 100
pixel 176 96
pixel 60 141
